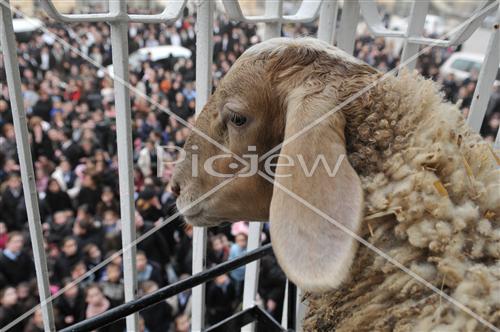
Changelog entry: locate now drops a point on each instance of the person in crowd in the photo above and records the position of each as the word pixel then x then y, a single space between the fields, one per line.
pixel 69 257
pixel 10 308
pixel 218 251
pixel 57 199
pixel 181 303
pixel 16 265
pixel 35 324
pixel 12 197
pixel 272 282
pixel 71 304
pixel 182 323
pixel 238 248
pixel 154 246
pixel 60 226
pixel 148 270
pixel 92 256
pixel 112 284
pixel 108 202
pixel 221 298
pixel 97 303
pixel 158 317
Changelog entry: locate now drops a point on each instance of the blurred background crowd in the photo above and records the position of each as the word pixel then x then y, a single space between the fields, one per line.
pixel 70 103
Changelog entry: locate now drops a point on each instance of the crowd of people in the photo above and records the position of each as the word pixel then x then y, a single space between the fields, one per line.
pixel 71 119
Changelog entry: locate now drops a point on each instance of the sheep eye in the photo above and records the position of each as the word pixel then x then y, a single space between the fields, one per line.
pixel 237 119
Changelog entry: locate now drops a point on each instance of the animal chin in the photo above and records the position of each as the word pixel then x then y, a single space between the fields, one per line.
pixel 201 221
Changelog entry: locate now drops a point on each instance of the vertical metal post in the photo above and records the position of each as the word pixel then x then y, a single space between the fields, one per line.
pixel 252 271
pixel 348 26
pixel 291 306
pixel 273 8
pixel 301 310
pixel 486 78
pixel 119 44
pixel 204 56
pixel 496 145
pixel 328 20
pixel 9 47
pixel 415 28
pixel 284 315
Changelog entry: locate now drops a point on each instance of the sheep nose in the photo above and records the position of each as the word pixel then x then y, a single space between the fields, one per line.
pixel 176 188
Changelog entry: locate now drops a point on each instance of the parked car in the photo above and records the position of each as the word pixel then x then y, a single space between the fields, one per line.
pixel 157 54
pixel 24 28
pixel 462 64
pixel 434 25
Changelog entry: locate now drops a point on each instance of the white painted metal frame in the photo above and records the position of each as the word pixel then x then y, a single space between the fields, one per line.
pixel 9 49
pixel 487 76
pixel 327 10
pixel 204 57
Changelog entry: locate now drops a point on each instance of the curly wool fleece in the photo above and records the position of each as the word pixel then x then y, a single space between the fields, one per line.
pixel 432 202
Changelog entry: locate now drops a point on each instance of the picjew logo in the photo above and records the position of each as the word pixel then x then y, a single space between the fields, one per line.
pixel 246 165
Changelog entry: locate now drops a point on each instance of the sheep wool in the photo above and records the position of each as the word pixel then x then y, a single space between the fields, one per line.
pixel 432 202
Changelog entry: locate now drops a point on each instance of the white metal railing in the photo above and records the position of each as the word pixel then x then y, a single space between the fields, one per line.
pixel 273 18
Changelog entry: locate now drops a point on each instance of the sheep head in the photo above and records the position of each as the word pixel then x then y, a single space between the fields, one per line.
pixel 272 92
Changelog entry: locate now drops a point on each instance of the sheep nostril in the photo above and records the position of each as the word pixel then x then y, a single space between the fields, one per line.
pixel 176 188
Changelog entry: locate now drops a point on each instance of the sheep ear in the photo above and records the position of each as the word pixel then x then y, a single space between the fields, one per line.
pixel 314 253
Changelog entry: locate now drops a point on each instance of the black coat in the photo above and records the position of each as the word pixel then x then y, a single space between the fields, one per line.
pixel 7 315
pixel 220 301
pixel 14 272
pixel 75 308
pixel 158 317
pixel 155 246
pixel 9 209
pixel 63 266
pixel 58 201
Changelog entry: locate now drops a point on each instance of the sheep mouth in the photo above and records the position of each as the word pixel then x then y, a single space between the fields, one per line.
pixel 192 212
pixel 201 221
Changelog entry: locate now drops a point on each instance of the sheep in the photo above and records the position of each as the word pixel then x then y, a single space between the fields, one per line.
pixel 417 183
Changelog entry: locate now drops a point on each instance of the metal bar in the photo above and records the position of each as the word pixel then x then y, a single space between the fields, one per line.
pixel 328 20
pixel 161 294
pixel 348 26
pixel 284 313
pixel 371 16
pixel 170 13
pixel 487 75
pixel 292 306
pixel 250 286
pixel 204 56
pixel 119 45
pixel 307 12
pixel 496 145
pixel 9 47
pixel 484 9
pixel 253 314
pixel 301 310
pixel 273 8
pixel 418 13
